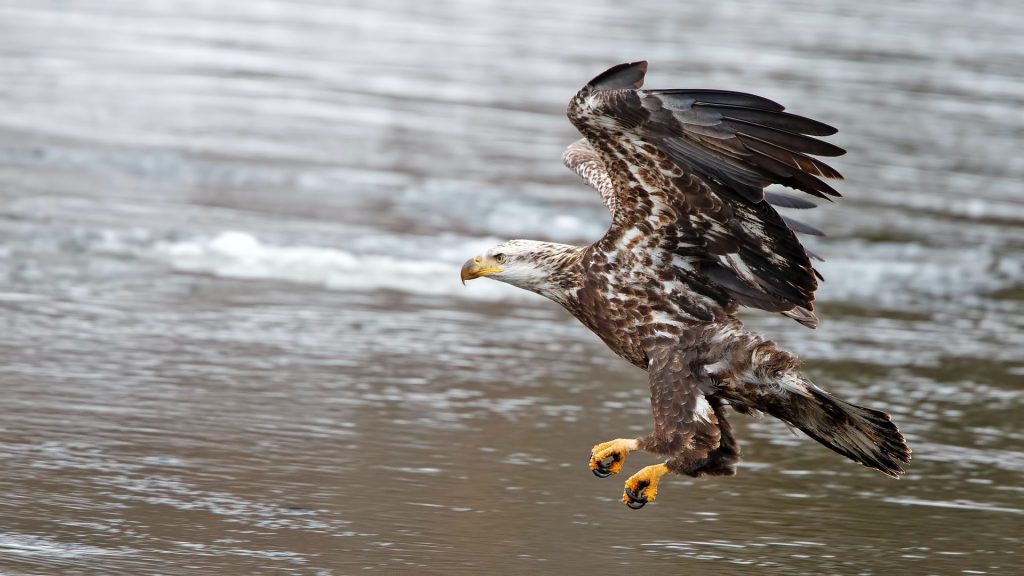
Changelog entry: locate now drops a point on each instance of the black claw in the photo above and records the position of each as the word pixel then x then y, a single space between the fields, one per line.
pixel 602 471
pixel 635 495
pixel 636 499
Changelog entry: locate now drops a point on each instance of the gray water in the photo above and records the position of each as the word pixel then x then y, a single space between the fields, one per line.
pixel 234 339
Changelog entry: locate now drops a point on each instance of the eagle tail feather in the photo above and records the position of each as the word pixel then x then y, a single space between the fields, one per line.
pixel 864 435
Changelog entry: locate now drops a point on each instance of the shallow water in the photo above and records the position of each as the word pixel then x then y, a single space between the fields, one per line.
pixel 235 342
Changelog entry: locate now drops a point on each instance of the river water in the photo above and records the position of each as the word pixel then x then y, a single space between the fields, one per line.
pixel 234 339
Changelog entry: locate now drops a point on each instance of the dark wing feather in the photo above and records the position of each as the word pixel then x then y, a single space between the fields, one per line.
pixel 688 168
pixel 801 227
pixel 786 201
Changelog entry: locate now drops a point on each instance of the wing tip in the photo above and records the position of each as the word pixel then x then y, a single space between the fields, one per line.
pixel 621 76
pixel 786 201
pixel 803 316
pixel 828 130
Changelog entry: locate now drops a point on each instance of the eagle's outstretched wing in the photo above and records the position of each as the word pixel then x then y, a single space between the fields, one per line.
pixel 683 173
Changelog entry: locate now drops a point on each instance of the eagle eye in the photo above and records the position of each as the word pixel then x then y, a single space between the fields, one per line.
pixel 499 258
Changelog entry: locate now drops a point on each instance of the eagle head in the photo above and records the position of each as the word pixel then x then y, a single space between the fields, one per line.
pixel 540 267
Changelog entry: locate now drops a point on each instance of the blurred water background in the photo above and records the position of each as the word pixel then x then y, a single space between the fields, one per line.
pixel 234 339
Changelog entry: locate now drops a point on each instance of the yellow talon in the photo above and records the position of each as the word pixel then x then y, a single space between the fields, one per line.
pixel 616 450
pixel 642 487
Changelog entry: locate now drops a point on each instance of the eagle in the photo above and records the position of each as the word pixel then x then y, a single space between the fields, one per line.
pixel 694 236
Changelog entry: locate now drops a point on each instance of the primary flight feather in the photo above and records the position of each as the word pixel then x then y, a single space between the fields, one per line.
pixel 694 236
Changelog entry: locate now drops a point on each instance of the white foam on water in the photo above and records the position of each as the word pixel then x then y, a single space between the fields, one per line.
pixel 236 254
pixel 915 275
pixel 36 545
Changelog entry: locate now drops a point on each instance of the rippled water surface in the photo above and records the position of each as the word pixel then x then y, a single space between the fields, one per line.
pixel 234 339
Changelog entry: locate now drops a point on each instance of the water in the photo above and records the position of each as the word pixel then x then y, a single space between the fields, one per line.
pixel 235 341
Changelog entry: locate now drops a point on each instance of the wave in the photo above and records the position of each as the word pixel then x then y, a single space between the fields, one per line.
pixel 234 254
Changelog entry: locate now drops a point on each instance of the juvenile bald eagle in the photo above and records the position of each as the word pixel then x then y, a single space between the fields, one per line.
pixel 694 236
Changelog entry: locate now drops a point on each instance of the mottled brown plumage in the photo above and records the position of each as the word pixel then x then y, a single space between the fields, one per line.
pixel 693 237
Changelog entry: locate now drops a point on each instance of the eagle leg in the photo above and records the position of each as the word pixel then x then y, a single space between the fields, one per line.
pixel 642 487
pixel 607 458
pixel 719 462
pixel 686 425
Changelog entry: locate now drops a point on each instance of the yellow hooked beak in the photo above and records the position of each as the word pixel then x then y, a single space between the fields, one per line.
pixel 479 266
